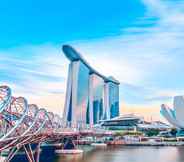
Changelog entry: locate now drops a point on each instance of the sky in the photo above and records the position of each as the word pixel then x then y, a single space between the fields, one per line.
pixel 139 42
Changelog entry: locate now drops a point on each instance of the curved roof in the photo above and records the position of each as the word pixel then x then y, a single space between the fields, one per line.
pixel 73 55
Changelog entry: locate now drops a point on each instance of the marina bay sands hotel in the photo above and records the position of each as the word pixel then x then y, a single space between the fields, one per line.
pixel 90 96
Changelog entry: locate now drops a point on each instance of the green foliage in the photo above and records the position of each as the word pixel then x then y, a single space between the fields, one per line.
pixel 170 140
pixel 130 133
pixel 173 131
pixel 152 132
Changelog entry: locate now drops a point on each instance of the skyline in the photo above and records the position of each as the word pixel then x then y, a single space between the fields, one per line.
pixel 142 49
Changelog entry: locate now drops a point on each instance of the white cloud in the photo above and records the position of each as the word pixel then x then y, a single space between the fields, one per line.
pixel 148 55
pixel 145 55
pixel 36 72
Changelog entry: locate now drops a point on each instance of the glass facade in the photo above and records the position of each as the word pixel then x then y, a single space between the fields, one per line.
pixel 82 112
pixel 69 115
pixel 89 98
pixel 113 99
pixel 98 98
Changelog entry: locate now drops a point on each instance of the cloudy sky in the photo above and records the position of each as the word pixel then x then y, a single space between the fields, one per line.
pixel 139 42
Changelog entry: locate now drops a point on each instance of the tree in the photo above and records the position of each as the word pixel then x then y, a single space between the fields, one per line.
pixel 152 132
pixel 173 131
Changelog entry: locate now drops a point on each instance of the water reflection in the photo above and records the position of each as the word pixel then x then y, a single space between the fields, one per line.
pixel 128 154
pixel 116 154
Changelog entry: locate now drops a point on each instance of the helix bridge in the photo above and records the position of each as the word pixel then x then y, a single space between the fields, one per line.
pixel 23 124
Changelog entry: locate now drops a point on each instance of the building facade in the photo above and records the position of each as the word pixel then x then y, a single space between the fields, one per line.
pixel 133 122
pixel 90 96
pixel 175 115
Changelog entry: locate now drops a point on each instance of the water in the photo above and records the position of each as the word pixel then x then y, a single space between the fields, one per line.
pixel 121 154
pixel 129 154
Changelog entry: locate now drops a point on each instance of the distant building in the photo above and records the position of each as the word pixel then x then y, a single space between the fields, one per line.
pixel 124 122
pixel 133 122
pixel 174 116
pixel 113 99
pixel 157 125
pixel 90 96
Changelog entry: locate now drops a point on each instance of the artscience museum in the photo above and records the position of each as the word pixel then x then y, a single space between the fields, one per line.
pixel 175 115
pixel 90 96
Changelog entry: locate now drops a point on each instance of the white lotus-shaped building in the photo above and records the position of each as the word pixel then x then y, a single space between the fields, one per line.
pixel 175 115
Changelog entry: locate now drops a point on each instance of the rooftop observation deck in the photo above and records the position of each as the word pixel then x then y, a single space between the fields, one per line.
pixel 73 55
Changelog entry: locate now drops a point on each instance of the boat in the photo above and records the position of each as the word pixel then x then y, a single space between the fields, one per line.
pixel 72 151
pixel 69 148
pixel 99 144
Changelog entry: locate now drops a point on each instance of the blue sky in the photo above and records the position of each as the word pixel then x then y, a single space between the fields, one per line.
pixel 35 22
pixel 140 42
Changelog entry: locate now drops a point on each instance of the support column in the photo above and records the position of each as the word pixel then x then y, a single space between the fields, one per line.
pixel 106 101
pixel 76 114
pixel 91 99
pixel 68 97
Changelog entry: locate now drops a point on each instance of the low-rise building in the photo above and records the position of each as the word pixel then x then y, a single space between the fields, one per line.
pixel 133 122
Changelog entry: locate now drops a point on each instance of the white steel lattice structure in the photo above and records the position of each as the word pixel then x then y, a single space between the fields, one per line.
pixel 22 123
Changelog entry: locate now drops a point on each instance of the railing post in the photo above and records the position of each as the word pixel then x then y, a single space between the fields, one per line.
pixel 37 153
pixel 29 153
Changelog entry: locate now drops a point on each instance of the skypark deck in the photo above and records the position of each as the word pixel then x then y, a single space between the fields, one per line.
pixel 73 55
